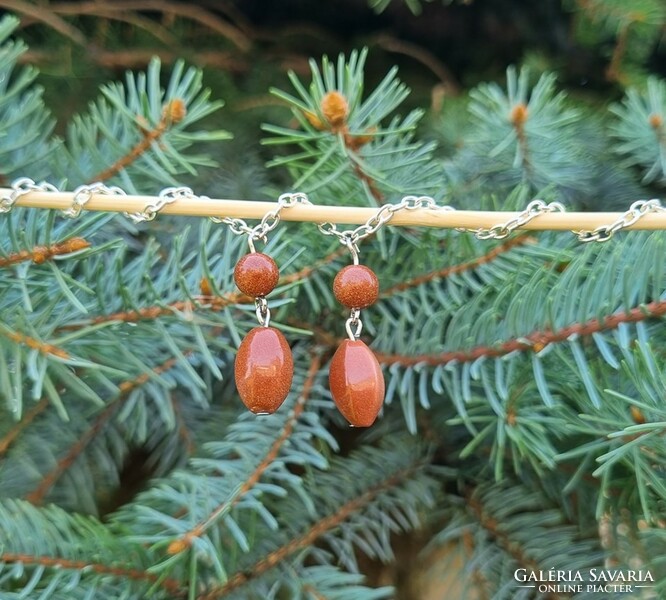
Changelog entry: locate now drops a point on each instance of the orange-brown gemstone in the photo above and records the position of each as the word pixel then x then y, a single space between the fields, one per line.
pixel 264 369
pixel 256 274
pixel 357 383
pixel 356 286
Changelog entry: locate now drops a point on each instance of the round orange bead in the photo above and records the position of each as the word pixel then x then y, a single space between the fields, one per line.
pixel 256 274
pixel 356 286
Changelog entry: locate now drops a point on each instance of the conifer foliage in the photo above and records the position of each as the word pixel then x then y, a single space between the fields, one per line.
pixel 524 418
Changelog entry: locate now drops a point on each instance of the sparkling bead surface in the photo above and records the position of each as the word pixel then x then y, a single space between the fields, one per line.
pixel 256 274
pixel 356 286
pixel 357 383
pixel 264 369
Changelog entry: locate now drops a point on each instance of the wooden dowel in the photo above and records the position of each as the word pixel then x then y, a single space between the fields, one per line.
pixel 245 209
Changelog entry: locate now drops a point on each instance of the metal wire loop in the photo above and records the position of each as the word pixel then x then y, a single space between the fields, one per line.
pixel 636 211
pixel 533 210
pixel 262 311
pixel 354 321
pixel 21 187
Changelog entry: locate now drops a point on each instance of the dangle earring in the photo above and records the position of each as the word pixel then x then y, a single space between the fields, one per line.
pixel 264 365
pixel 355 378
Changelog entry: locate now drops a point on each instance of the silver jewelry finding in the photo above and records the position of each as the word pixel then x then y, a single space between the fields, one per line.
pixel 21 187
pixel 637 210
pixel 268 222
pixel 166 196
pixel 533 210
pixel 84 193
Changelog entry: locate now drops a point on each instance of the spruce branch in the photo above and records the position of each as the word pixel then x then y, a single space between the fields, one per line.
pixel 341 133
pixel 185 541
pixel 316 531
pixel 513 133
pixel 84 566
pixel 25 124
pixel 467 265
pixel 639 130
pixel 172 113
pixel 125 388
pixel 144 129
pixel 19 426
pixel 532 342
pixel 49 541
pixel 206 301
pixel 512 525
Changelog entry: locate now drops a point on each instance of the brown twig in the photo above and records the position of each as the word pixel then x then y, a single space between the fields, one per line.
pixel 138 59
pixel 183 432
pixel 19 426
pixel 43 14
pixel 36 497
pixel 173 112
pixel 308 538
pixel 206 301
pixel 422 55
pixel 461 267
pixel 40 254
pixel 181 9
pixel 185 541
pixel 41 347
pixel 312 590
pixel 614 70
pixel 53 562
pixel 535 341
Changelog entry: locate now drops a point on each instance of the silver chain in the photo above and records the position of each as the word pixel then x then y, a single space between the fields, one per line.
pixel 84 193
pixel 533 210
pixel 268 222
pixel 603 233
pixel 352 237
pixel 166 196
pixel 260 232
pixel 21 187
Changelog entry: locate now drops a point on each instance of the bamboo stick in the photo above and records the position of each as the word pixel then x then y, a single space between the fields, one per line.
pixel 248 209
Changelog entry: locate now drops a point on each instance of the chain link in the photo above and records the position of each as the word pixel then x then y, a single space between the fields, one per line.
pixel 268 222
pixel 84 193
pixel 352 237
pixel 533 210
pixel 21 187
pixel 166 196
pixel 603 233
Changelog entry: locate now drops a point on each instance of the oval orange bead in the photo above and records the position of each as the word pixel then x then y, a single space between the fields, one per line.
pixel 264 369
pixel 357 383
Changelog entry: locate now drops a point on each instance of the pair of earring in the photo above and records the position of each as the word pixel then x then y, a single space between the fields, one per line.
pixel 264 365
